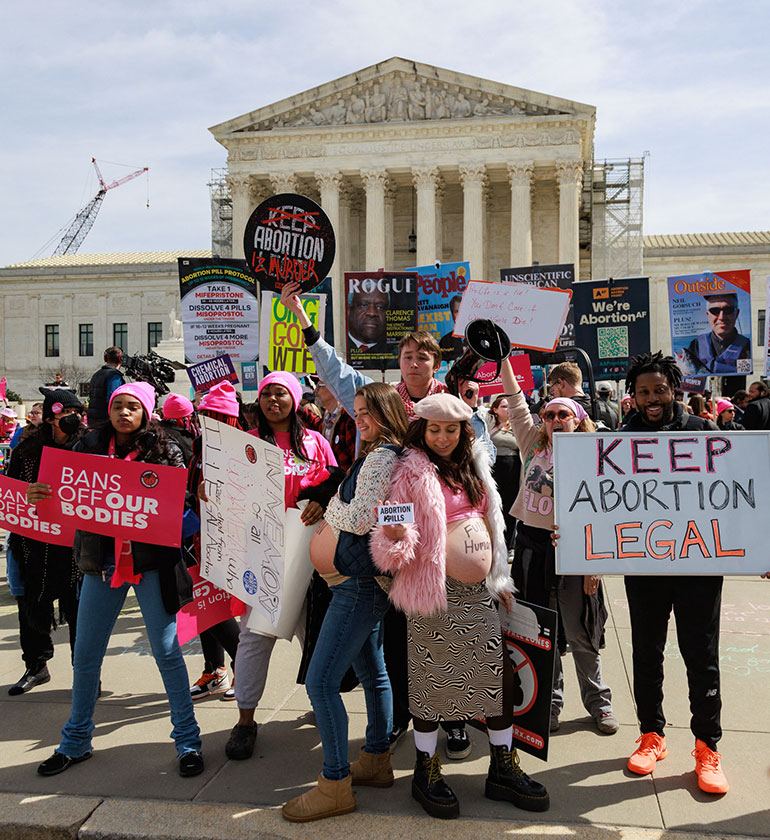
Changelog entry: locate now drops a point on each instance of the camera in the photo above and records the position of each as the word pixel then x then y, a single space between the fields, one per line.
pixel 150 368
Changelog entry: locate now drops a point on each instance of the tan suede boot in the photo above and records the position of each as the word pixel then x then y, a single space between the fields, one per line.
pixel 372 770
pixel 328 799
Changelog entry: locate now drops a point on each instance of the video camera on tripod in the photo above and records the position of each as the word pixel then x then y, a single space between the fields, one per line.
pixel 150 368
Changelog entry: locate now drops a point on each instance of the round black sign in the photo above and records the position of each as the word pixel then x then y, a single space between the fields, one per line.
pixel 289 237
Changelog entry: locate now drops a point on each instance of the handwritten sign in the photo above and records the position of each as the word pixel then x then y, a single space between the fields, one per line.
pixel 531 317
pixel 117 498
pixel 243 523
pixel 210 605
pixel 690 503
pixel 398 514
pixel 281 342
pixel 20 517
pixel 206 374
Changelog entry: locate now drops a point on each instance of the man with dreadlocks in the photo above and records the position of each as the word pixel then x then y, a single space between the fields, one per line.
pixel 695 599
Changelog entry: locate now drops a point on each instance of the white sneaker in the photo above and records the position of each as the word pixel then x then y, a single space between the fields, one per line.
pixel 210 684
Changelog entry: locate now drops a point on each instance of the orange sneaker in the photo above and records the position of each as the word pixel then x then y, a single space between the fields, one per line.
pixel 651 749
pixel 711 777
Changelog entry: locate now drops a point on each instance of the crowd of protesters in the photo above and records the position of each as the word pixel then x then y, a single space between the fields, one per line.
pixel 411 612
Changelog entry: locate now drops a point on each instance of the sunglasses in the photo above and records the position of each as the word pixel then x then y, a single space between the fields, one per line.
pixel 716 311
pixel 562 414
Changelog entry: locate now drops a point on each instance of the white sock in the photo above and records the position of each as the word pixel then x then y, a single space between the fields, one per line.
pixel 426 741
pixel 500 737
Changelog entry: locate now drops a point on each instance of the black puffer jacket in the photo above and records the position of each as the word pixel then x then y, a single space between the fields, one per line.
pixel 95 553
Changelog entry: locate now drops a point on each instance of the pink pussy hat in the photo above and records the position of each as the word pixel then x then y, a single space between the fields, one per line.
pixel 288 381
pixel 142 391
pixel 221 398
pixel 175 407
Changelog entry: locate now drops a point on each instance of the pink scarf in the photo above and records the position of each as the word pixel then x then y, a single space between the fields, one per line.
pixel 436 387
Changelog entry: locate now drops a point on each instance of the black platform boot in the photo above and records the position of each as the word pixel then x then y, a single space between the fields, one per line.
pixel 430 789
pixel 508 782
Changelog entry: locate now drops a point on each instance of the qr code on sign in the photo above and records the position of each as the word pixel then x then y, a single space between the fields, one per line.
pixel 743 365
pixel 612 342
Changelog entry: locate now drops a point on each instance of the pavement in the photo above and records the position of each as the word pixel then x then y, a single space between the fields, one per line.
pixel 131 789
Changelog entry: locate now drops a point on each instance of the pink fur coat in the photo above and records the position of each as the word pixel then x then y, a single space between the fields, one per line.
pixel 418 561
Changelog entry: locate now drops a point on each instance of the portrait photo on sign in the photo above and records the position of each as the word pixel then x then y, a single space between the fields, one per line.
pixel 710 316
pixel 289 238
pixel 380 309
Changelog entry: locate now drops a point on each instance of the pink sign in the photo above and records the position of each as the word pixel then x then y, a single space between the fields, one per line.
pixel 20 517
pixel 117 498
pixel 209 606
pixel 491 384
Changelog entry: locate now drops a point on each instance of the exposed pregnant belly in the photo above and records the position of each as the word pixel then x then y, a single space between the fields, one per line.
pixel 468 550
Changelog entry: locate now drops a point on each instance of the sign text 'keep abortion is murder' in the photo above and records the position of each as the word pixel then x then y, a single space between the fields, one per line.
pixel 667 503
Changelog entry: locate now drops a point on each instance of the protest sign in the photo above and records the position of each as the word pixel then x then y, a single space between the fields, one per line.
pixel 531 317
pixel 612 323
pixel 547 277
pixel 289 238
pixel 18 516
pixel 710 316
pixel 439 293
pixel 690 503
pixel 206 374
pixel 395 514
pixel 381 309
pixel 249 373
pixel 243 521
pixel 209 606
pixel 767 330
pixel 282 345
pixel 693 384
pixel 114 497
pixel 491 382
pixel 219 310
pixel 296 576
pixel 529 632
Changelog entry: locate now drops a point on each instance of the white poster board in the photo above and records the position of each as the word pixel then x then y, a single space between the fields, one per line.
pixel 531 317
pixel 243 524
pixel 692 503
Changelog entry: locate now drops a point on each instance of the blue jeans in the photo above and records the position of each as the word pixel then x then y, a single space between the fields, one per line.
pixel 99 608
pixel 351 634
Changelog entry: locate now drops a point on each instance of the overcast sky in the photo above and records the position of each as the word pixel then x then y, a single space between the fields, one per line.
pixel 139 83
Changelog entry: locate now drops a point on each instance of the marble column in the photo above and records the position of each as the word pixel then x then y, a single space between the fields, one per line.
pixel 520 179
pixel 240 193
pixel 425 180
pixel 440 192
pixel 329 184
pixel 569 174
pixel 473 178
pixel 390 221
pixel 375 184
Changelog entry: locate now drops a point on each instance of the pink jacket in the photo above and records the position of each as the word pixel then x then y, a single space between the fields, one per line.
pixel 418 561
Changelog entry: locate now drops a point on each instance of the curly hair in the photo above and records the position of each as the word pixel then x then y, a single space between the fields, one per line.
pixel 653 363
pixel 458 471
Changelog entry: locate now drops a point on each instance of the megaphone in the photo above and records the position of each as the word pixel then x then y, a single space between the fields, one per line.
pixel 485 342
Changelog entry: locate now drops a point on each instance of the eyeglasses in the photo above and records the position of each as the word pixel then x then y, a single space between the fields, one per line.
pixel 563 414
pixel 716 311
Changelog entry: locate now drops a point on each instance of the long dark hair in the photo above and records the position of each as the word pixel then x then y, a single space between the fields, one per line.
pixel 150 438
pixel 32 442
pixel 458 471
pixel 296 432
pixel 387 409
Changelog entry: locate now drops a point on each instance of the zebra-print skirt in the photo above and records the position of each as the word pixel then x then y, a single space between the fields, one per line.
pixel 456 657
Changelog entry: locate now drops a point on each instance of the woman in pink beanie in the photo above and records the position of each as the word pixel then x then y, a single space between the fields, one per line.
pixel 179 424
pixel 726 417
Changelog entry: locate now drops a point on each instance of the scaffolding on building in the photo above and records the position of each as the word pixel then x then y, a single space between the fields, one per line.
pixel 221 214
pixel 617 204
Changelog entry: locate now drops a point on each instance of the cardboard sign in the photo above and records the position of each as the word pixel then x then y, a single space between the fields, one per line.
pixel 289 238
pixel 396 514
pixel 612 323
pixel 117 498
pixel 529 632
pixel 243 523
pixel 219 310
pixel 531 317
pixel 206 374
pixel 282 345
pixel 210 606
pixel 20 517
pixel 381 309
pixel 686 503
pixel 710 316
pixel 490 384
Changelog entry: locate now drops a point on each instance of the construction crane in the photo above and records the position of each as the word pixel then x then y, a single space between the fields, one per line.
pixel 83 222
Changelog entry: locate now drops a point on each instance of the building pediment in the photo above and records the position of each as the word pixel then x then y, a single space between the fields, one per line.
pixel 399 91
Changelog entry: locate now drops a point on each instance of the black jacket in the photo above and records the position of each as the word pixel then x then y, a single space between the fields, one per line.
pixel 757 414
pixel 97 394
pixel 95 553
pixel 682 422
pixel 182 438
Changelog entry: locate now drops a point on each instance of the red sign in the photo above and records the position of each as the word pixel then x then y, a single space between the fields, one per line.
pixel 210 606
pixel 491 384
pixel 117 498
pixel 20 517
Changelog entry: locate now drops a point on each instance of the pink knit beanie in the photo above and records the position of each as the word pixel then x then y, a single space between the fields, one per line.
pixel 288 381
pixel 142 391
pixel 175 407
pixel 221 398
